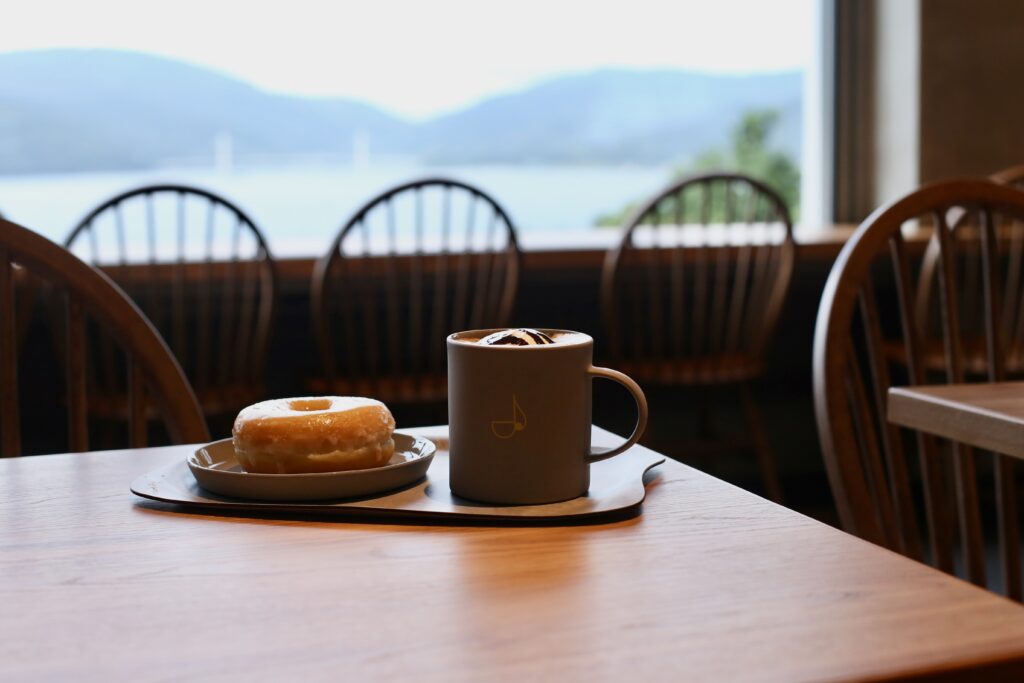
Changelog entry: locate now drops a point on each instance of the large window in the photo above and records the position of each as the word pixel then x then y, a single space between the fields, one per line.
pixel 566 112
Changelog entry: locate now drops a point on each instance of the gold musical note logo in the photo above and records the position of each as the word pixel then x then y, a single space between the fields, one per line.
pixel 506 429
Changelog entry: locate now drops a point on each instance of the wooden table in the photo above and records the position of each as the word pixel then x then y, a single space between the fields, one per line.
pixel 709 583
pixel 989 416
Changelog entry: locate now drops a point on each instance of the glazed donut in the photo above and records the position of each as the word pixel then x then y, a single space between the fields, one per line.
pixel 313 434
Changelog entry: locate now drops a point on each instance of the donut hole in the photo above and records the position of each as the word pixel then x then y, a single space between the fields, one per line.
pixel 309 404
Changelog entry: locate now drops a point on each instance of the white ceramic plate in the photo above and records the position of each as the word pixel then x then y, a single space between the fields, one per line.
pixel 217 470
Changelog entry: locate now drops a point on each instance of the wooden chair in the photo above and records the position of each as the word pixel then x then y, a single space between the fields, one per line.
pixel 872 478
pixel 414 264
pixel 201 270
pixel 927 313
pixel 88 297
pixel 1012 176
pixel 692 294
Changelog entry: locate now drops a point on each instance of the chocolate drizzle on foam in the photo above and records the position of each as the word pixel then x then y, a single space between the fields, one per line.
pixel 523 336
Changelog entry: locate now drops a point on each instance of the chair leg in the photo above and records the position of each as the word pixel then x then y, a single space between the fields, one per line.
pixel 765 457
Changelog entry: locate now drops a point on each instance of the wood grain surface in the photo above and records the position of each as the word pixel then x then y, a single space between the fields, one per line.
pixel 989 416
pixel 709 583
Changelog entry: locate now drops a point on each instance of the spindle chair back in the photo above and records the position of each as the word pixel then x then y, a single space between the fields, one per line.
pixel 201 270
pixel 87 298
pixel 896 487
pixel 694 289
pixel 965 230
pixel 412 265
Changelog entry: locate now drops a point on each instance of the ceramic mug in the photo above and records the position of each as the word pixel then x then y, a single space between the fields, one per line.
pixel 520 418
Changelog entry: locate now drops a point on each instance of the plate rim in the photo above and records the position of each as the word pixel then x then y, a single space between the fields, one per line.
pixel 192 461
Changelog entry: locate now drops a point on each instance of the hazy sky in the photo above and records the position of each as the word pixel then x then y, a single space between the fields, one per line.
pixel 420 58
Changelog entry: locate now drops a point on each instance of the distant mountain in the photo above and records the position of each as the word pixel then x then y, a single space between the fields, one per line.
pixel 613 115
pixel 99 109
pixel 68 110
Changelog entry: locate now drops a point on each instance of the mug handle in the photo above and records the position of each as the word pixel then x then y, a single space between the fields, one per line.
pixel 641 410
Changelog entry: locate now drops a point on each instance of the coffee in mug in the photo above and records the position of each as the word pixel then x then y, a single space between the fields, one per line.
pixel 519 408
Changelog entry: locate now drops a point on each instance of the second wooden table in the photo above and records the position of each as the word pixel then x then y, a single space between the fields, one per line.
pixel 985 415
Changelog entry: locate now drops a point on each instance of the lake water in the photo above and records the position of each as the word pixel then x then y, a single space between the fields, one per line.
pixel 301 207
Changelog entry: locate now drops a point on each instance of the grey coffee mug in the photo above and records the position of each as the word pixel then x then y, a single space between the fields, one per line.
pixel 520 418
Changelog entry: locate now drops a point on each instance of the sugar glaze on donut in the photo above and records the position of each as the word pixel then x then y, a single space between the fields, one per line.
pixel 314 434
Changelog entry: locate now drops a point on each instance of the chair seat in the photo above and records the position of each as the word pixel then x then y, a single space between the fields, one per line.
pixel 702 370
pixel 975 357
pixel 391 390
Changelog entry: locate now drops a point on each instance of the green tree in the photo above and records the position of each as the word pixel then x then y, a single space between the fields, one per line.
pixel 749 154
